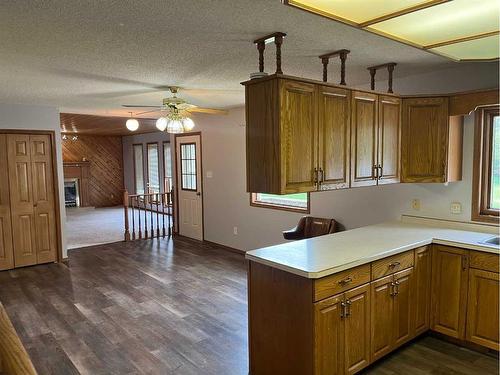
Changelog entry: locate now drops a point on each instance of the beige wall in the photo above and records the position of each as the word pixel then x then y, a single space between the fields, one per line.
pixel 226 202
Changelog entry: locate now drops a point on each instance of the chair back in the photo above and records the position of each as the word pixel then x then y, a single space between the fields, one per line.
pixel 316 226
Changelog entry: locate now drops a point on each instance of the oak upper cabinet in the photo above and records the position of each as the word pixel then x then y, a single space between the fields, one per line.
pixel 422 289
pixel 389 140
pixel 334 109
pixel 431 141
pixel 483 300
pixel 6 252
pixel 449 290
pixel 299 134
pixel 364 135
pixel 342 332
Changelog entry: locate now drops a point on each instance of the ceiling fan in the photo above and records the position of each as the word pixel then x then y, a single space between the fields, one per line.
pixel 174 113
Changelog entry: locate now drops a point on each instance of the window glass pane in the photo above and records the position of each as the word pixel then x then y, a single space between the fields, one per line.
pixel 188 166
pixel 298 200
pixel 495 165
pixel 167 165
pixel 138 169
pixel 153 174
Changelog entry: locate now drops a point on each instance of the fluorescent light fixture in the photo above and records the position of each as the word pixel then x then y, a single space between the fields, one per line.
pixel 458 29
pixel 445 22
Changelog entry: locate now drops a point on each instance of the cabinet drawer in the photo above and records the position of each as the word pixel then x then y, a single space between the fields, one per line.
pixel 484 261
pixel 389 265
pixel 340 282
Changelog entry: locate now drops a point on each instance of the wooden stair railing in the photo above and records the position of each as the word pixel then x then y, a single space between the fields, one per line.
pixel 14 360
pixel 151 214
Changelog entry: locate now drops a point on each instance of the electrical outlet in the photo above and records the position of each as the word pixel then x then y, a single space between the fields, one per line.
pixel 456 208
pixel 415 204
pixel 235 231
pixel 210 174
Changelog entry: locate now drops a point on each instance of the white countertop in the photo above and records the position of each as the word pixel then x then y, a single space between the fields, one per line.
pixel 322 256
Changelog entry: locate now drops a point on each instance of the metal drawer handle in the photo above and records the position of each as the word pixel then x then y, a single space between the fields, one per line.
pixel 348 307
pixel 345 281
pixel 394 264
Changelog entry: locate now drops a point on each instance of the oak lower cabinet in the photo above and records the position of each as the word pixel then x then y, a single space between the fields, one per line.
pixel 431 141
pixel 391 312
pixel 28 220
pixel 342 332
pixel 449 290
pixel 482 308
pixel 422 289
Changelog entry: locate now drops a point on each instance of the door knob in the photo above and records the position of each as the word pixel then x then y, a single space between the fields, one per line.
pixel 198 193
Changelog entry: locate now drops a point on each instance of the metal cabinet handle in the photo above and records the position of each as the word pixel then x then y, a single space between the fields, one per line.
pixel 380 174
pixel 315 176
pixel 348 308
pixel 464 262
pixel 343 310
pixel 392 293
pixel 345 281
pixel 321 175
pixel 375 172
pixel 396 287
pixel 394 264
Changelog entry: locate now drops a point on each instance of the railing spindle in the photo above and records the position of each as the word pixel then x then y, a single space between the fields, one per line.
pixel 145 217
pixel 131 204
pixel 163 213
pixel 125 212
pixel 157 217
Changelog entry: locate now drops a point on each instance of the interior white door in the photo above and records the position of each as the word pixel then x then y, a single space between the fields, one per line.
pixel 189 186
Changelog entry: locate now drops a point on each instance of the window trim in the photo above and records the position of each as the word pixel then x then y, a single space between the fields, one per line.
pixel 195 165
pixel 135 169
pixel 255 203
pixel 146 187
pixel 481 183
pixel 171 165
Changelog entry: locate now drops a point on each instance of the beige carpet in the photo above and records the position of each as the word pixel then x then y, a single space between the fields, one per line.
pixel 87 226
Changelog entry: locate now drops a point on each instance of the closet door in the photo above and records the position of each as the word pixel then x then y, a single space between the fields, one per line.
pixel 43 198
pixel 21 198
pixel 6 252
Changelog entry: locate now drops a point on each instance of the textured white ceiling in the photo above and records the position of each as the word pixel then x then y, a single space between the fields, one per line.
pixel 93 56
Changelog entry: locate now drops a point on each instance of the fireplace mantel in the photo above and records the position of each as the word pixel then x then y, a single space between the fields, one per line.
pixel 81 171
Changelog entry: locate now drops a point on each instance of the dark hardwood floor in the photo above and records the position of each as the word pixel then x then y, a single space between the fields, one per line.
pixel 163 307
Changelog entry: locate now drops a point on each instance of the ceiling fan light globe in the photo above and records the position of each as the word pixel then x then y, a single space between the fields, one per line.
pixel 175 127
pixel 132 124
pixel 161 123
pixel 188 124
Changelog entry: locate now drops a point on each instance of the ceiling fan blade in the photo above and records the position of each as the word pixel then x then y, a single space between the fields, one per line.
pixel 140 106
pixel 210 111
pixel 146 112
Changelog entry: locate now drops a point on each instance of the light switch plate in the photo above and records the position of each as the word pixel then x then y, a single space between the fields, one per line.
pixel 456 208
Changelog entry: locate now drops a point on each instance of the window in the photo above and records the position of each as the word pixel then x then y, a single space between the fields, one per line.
pixel 188 166
pixel 138 169
pixel 486 171
pixel 292 202
pixel 153 168
pixel 167 165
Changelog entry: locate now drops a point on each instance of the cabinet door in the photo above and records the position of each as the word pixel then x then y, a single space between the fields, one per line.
pixel 482 308
pixel 357 329
pixel 403 306
pixel 389 134
pixel 43 198
pixel 424 140
pixel 6 251
pixel 334 136
pixel 363 139
pixel 329 336
pixel 299 136
pixel 449 290
pixel 422 289
pixel 381 317
pixel 21 198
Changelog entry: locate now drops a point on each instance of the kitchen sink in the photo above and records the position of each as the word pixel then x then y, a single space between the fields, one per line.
pixel 492 241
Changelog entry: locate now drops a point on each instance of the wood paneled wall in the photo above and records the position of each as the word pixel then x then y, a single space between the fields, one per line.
pixel 105 154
